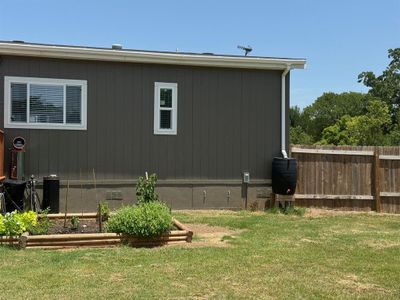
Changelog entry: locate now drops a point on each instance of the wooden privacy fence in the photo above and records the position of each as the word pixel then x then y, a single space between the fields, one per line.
pixel 348 177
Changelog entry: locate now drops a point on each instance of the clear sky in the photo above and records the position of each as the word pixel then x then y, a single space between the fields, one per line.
pixel 339 38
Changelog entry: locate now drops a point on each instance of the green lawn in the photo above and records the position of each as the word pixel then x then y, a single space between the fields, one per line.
pixel 276 257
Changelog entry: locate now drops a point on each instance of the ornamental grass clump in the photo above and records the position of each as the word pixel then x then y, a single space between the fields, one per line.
pixel 144 220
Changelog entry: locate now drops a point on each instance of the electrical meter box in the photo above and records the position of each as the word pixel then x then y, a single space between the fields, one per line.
pixel 246 177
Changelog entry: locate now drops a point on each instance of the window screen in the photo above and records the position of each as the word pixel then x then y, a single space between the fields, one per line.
pixel 166 98
pixel 165 119
pixel 73 104
pixel 18 102
pixel 46 103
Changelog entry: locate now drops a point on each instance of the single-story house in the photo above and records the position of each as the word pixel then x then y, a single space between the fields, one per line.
pixel 198 120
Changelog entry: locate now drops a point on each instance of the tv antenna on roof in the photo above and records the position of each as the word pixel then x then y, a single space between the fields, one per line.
pixel 246 50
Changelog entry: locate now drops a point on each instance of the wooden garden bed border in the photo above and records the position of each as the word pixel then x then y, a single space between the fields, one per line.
pixel 75 240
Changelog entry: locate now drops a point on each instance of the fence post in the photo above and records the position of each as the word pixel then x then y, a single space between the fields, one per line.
pixel 376 180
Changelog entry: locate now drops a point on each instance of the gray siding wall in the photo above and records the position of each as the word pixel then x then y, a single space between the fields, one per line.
pixel 228 121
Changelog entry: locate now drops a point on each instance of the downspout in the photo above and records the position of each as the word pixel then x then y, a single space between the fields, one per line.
pixel 283 111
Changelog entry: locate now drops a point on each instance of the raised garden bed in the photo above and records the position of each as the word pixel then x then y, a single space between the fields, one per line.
pixel 61 238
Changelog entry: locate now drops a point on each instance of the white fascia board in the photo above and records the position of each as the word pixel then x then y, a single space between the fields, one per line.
pixel 82 53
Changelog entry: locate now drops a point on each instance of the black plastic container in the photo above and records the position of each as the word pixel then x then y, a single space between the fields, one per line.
pixel 284 176
pixel 51 193
pixel 14 194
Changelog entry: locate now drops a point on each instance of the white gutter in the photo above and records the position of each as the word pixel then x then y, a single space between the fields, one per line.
pixel 85 53
pixel 283 110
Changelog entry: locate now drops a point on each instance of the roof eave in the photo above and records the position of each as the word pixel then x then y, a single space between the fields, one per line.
pixel 66 52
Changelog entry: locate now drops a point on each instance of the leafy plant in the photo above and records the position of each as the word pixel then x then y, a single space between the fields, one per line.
pixel 75 222
pixel 104 210
pixel 2 226
pixel 16 223
pixel 291 210
pixel 28 220
pixel 253 206
pixel 288 210
pixel 13 224
pixel 145 189
pixel 273 210
pixel 144 220
pixel 43 223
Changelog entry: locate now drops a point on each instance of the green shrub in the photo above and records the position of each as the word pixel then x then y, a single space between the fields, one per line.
pixel 2 226
pixel 28 220
pixel 146 189
pixel 144 220
pixel 43 223
pixel 16 223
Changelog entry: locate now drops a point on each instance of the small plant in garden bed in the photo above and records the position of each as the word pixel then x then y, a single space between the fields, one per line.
pixel 75 223
pixel 104 211
pixel 146 189
pixel 43 223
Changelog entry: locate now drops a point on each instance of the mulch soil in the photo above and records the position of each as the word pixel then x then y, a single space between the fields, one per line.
pixel 85 226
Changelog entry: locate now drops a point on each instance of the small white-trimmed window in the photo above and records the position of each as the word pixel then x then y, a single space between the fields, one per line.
pixel 165 108
pixel 45 103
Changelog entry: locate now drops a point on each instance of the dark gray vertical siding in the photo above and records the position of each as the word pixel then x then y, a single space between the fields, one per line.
pixel 184 159
pixel 228 121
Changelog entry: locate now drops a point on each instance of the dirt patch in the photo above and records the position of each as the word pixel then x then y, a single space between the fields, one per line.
pixel 320 212
pixel 352 282
pixel 85 226
pixel 381 244
pixel 212 236
pixel 211 212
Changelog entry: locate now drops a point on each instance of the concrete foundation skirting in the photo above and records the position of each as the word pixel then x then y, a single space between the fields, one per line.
pixel 178 196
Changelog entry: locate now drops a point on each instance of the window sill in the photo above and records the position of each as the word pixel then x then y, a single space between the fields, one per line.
pixel 46 126
pixel 165 132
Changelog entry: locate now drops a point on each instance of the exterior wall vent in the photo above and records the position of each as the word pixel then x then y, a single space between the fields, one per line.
pixel 114 195
pixel 116 46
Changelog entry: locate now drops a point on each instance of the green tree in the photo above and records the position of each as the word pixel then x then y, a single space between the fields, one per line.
pixel 387 85
pixel 298 136
pixel 295 116
pixel 367 129
pixel 329 109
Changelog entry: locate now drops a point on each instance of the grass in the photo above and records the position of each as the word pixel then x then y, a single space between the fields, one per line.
pixel 277 257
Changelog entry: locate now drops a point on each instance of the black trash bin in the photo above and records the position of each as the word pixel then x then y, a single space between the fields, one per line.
pixel 51 193
pixel 284 175
pixel 14 194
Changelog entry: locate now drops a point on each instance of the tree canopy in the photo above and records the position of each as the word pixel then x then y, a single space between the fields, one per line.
pixel 354 118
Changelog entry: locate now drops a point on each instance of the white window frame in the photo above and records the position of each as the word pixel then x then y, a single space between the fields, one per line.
pixel 47 81
pixel 174 120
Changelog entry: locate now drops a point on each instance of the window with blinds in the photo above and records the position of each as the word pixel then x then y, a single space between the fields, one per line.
pixel 45 103
pixel 165 108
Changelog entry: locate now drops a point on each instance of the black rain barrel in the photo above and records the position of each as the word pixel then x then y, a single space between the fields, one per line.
pixel 284 175
pixel 51 193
